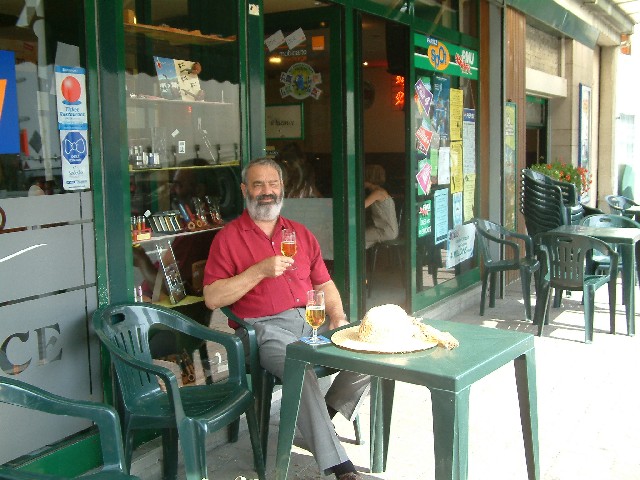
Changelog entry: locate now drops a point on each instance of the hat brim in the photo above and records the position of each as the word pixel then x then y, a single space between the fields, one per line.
pixel 348 339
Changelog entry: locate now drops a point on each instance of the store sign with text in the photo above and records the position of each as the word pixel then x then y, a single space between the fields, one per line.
pixel 445 58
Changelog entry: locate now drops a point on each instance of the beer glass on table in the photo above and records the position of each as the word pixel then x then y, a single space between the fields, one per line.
pixel 315 315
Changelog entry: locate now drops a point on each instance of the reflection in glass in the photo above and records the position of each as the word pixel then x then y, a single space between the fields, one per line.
pixel 37 38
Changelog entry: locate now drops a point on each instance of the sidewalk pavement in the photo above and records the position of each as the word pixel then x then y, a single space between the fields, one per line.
pixel 588 415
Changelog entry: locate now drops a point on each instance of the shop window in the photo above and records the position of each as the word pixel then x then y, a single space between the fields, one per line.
pixel 444 110
pixel 44 129
pixel 183 123
pixel 445 13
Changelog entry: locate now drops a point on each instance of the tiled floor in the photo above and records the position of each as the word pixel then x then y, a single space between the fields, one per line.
pixel 588 395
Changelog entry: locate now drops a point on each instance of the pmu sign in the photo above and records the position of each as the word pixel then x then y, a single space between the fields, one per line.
pixel 9 135
pixel 433 54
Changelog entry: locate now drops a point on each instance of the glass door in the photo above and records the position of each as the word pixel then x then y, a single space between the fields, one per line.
pixel 302 98
pixel 383 57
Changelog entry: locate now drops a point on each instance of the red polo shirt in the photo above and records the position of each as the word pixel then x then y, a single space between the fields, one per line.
pixel 241 244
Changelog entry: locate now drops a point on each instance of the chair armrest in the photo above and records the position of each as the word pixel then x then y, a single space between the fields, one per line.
pixel 503 241
pixel 528 242
pixel 28 396
pixel 252 340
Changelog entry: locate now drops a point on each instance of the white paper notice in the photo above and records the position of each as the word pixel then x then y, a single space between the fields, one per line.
pixel 295 38
pixel 469 141
pixel 444 167
pixel 274 41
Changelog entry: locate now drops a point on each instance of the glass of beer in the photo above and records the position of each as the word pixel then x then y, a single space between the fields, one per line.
pixel 288 245
pixel 314 314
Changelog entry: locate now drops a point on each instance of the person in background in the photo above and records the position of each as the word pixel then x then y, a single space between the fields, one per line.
pixel 246 270
pixel 382 209
pixel 299 174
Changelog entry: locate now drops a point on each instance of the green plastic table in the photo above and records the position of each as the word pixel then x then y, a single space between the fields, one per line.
pixel 626 239
pixel 448 374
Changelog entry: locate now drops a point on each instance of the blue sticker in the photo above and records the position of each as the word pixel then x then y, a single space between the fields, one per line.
pixel 74 147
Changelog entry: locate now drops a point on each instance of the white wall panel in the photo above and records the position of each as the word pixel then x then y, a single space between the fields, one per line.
pixel 35 262
pixel 41 210
pixel 45 342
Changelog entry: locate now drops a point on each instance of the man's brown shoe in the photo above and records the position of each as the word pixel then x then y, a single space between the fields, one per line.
pixel 350 476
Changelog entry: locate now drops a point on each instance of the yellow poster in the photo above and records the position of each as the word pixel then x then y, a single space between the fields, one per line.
pixel 455 114
pixel 469 197
pixel 455 159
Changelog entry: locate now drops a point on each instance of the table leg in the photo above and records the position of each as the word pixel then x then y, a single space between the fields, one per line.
pixel 525 367
pixel 450 433
pixel 382 392
pixel 629 285
pixel 291 393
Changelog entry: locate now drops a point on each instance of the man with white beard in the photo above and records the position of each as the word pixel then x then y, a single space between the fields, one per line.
pixel 247 271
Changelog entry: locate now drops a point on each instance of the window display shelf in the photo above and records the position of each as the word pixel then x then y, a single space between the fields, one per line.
pixel 233 163
pixel 150 99
pixel 176 36
pixel 158 237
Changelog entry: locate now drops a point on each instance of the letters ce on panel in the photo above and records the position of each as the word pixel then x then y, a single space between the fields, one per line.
pixel 285 122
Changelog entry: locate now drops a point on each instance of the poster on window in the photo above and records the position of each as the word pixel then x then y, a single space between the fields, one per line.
pixel 469 195
pixel 441 212
pixel 444 167
pixel 455 160
pixel 469 141
pixel 455 114
pixel 71 98
pixel 440 108
pixel 424 177
pixel 456 199
pixel 460 244
pixel 424 219
pixel 75 160
pixel 73 126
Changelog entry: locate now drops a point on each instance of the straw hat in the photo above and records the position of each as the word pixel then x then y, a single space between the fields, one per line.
pixel 384 329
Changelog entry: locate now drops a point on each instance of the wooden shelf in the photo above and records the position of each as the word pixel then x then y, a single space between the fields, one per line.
pixel 176 36
pixel 234 163
pixel 157 237
pixel 154 100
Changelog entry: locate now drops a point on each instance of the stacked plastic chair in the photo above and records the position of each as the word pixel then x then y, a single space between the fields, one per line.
pixel 547 203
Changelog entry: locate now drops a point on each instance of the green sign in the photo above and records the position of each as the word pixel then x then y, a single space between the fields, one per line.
pixel 424 219
pixel 445 57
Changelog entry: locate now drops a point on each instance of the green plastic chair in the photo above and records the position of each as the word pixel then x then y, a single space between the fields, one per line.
pixel 19 393
pixel 564 258
pixel 619 204
pixel 263 382
pixel 492 235
pixel 191 411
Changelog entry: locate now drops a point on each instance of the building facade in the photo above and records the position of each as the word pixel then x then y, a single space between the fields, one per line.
pixel 125 126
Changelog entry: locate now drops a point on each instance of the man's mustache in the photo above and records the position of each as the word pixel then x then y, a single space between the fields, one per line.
pixel 267 196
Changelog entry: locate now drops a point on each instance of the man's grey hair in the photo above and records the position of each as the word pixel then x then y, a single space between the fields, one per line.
pixel 264 161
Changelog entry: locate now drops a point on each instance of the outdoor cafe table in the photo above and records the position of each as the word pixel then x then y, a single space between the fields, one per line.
pixel 626 239
pixel 448 374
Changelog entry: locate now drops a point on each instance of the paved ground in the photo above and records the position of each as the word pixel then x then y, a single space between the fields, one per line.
pixel 589 420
